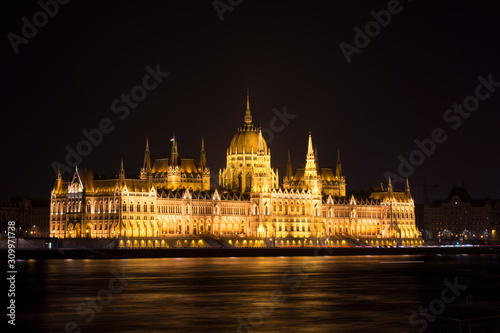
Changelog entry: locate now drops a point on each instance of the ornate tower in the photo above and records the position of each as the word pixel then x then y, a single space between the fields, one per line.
pixel 311 179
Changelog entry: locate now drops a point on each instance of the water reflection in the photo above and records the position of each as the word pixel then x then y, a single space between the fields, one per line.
pixel 272 294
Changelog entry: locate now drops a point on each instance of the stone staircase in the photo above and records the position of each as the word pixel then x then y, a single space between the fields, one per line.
pixel 351 240
pixel 215 241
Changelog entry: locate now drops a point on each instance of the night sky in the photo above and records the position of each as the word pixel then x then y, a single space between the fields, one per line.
pixel 395 90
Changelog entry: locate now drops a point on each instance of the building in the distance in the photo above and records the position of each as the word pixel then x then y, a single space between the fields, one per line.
pixel 173 200
pixel 32 216
pixel 459 218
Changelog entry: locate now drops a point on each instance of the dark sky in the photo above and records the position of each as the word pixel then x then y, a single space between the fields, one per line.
pixel 393 92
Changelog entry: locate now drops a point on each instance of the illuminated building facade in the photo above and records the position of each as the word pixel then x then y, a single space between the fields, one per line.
pixel 173 199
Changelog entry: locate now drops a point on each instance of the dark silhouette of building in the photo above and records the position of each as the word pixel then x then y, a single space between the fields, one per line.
pixel 459 218
pixel 32 216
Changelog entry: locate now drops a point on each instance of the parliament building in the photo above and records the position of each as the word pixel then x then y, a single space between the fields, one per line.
pixel 175 203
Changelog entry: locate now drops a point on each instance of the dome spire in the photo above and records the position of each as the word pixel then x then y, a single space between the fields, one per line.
pixel 248 115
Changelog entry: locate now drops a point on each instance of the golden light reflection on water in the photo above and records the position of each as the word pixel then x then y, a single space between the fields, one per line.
pixel 272 294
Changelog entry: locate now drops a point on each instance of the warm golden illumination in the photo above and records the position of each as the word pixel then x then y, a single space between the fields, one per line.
pixel 172 204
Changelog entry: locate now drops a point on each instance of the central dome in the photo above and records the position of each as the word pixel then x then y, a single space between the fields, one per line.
pixel 246 140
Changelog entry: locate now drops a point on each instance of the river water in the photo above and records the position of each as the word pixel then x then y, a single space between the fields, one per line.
pixel 265 294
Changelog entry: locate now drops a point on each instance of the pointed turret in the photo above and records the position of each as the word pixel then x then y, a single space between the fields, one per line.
pixel 310 150
pixel 389 185
pixel 260 149
pixel 311 178
pixel 146 166
pixel 316 160
pixel 262 181
pixel 248 115
pixel 203 157
pixel 57 185
pixel 407 189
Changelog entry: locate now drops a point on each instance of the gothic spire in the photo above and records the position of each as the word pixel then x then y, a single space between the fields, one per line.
pixel 338 170
pixel 58 183
pixel 289 171
pixel 310 150
pixel 311 178
pixel 203 157
pixel 121 176
pixel 147 157
pixel 407 189
pixel 122 170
